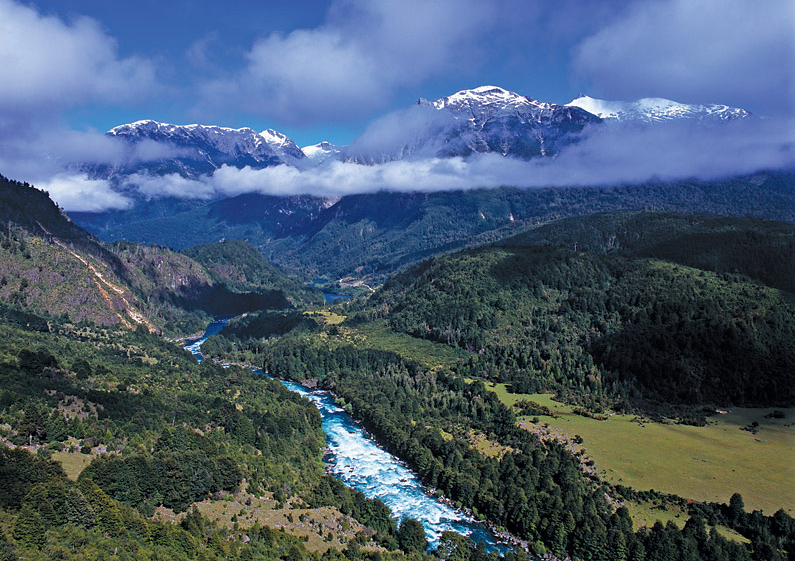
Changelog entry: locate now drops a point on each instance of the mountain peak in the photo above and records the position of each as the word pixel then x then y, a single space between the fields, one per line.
pixel 483 96
pixel 150 125
pixel 321 151
pixel 194 150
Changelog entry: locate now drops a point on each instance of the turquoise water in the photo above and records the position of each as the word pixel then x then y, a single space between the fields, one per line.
pixel 357 459
pixel 213 327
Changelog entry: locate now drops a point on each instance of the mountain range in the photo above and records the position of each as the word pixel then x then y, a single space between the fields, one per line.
pixel 486 119
pixel 302 232
pixel 483 120
pixel 193 150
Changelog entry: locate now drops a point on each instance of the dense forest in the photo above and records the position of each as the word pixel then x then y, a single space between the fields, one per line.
pixel 159 431
pixel 606 320
pixel 106 426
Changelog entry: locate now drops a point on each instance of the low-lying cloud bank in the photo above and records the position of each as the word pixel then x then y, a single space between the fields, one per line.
pixel 604 157
pixel 607 155
pixel 78 193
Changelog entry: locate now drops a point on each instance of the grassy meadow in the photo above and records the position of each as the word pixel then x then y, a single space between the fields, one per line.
pixel 702 463
pixel 73 463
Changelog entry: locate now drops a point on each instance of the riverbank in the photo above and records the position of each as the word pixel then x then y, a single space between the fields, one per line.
pixel 361 462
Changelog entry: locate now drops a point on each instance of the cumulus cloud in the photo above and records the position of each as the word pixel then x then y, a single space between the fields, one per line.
pixel 79 193
pixel 725 51
pixel 354 62
pixel 47 64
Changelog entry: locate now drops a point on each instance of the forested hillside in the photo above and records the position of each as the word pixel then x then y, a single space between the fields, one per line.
pixel 536 490
pixel 238 265
pixel 602 323
pixel 117 441
pixel 157 430
pixel 113 439
pixel 759 249
pixel 52 267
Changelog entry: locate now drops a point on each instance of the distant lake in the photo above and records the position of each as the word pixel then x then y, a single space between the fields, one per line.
pixel 330 297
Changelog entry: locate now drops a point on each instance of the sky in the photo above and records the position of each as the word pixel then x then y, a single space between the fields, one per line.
pixel 72 69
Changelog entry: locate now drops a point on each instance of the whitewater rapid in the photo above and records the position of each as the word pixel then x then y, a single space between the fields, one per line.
pixel 357 460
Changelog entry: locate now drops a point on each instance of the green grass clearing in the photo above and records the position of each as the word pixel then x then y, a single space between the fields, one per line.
pixel 645 514
pixel 702 463
pixel 486 446
pixel 326 317
pixel 433 355
pixel 73 464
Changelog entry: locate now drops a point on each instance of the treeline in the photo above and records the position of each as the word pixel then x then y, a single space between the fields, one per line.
pixel 536 490
pixel 769 534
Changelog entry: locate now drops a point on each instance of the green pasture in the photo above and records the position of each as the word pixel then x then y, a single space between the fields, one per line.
pixel 73 464
pixel 701 463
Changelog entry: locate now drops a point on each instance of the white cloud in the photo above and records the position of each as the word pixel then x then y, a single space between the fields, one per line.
pixel 608 155
pixel 170 185
pixel 355 61
pixel 47 64
pixel 78 193
pixel 405 129
pixel 723 51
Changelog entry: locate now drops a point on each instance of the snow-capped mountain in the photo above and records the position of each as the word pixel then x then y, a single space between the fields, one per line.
pixel 194 150
pixel 656 109
pixel 321 151
pixel 486 119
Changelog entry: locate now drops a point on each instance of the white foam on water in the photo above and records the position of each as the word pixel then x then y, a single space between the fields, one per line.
pixel 361 463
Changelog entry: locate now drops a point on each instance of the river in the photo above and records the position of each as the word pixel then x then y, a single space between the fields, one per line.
pixel 361 463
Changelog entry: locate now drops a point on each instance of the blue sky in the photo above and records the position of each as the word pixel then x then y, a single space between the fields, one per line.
pixel 322 70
